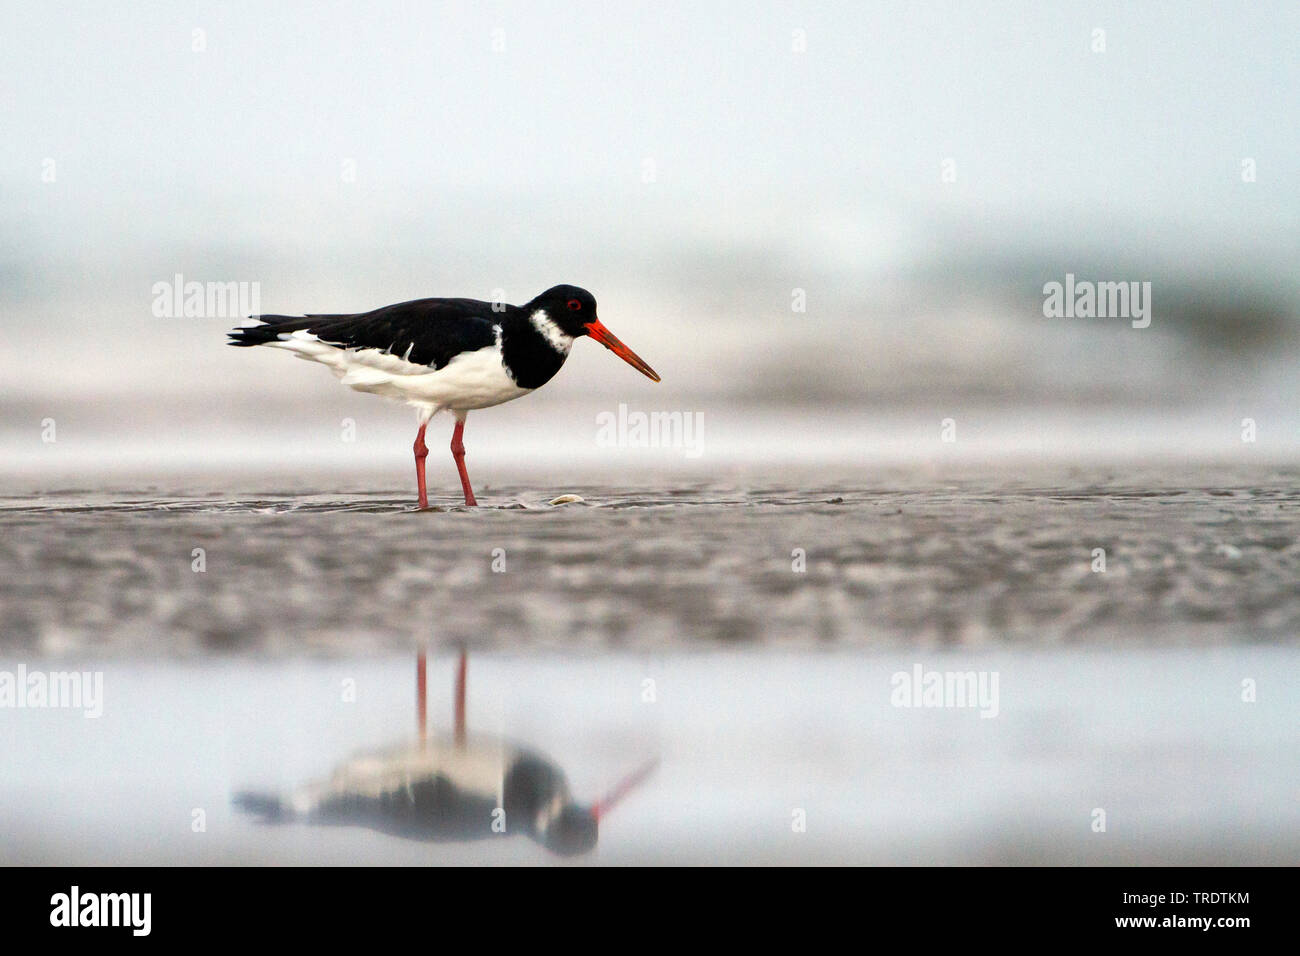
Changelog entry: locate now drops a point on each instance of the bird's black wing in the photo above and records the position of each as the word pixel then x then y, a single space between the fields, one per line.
pixel 425 331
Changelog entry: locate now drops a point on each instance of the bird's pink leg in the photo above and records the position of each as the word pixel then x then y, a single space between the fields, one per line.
pixel 421 453
pixel 458 452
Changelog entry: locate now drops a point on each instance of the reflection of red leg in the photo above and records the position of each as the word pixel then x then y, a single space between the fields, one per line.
pixel 460 699
pixel 421 453
pixel 421 697
pixel 458 452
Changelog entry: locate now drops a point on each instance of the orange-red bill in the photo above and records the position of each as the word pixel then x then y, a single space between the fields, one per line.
pixel 605 337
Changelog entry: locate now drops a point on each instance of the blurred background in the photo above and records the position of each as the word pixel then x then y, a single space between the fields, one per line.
pixel 910 176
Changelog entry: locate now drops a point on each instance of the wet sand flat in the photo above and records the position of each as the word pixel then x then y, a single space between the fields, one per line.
pixel 890 560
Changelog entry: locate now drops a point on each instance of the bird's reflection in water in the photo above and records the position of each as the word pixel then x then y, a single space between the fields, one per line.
pixel 460 787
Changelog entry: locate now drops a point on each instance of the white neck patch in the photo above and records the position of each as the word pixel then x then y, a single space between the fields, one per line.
pixel 555 336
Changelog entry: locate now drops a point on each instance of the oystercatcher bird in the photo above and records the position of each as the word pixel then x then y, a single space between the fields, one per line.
pixel 451 788
pixel 452 354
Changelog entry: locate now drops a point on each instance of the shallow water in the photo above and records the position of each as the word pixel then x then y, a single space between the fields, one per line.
pixel 900 561
pixel 763 756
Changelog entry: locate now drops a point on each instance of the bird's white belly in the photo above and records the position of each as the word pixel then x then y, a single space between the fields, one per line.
pixel 471 380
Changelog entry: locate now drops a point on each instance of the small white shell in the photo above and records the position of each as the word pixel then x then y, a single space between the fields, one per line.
pixel 566 499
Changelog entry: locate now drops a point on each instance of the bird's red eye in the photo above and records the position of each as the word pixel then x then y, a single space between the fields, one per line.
pixel 574 305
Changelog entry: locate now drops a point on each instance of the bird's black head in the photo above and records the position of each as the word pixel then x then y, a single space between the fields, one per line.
pixel 574 311
pixel 569 307
pixel 574 831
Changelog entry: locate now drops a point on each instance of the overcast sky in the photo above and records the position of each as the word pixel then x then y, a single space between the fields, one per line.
pixel 691 163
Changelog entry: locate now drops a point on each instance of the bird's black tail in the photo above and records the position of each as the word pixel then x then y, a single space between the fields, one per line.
pixel 270 329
